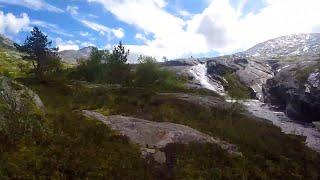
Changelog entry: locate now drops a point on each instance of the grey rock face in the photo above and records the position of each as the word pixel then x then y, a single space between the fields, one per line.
pixel 295 89
pixel 253 73
pixel 155 135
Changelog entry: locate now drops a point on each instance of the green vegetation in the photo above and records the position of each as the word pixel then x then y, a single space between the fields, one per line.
pixel 11 64
pixel 302 74
pixel 62 144
pixel 235 88
pixel 268 154
pixel 37 49
pixel 150 75
pixel 104 67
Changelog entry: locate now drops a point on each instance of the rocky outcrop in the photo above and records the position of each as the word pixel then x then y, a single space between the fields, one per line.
pixel 153 136
pixel 16 95
pixel 296 90
pixel 252 73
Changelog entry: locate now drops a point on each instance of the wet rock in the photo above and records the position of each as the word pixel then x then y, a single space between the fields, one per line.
pixel 252 73
pixel 295 89
pixel 157 135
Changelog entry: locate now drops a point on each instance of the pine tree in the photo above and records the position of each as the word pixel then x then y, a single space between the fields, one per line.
pixel 38 50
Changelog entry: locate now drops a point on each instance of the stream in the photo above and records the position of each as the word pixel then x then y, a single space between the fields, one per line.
pixel 263 110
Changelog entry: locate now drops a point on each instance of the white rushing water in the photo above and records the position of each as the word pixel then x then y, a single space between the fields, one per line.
pixel 200 74
pixel 264 111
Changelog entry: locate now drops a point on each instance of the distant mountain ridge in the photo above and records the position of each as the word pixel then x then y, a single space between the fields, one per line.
pixel 71 56
pixel 290 45
pixel 285 46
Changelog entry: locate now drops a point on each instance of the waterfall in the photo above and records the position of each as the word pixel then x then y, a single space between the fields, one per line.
pixel 260 109
pixel 200 74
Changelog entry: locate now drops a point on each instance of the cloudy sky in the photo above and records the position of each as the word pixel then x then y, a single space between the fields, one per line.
pixel 171 28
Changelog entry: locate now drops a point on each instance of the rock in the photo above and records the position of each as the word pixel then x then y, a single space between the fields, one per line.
pixel 317 125
pixel 252 73
pixel 295 89
pixel 18 94
pixel 157 135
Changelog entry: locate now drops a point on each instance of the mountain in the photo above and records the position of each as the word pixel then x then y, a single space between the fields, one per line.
pixel 291 45
pixel 71 56
pixel 6 42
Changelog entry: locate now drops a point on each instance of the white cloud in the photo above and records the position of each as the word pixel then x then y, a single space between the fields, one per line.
pixel 86 44
pixel 66 45
pixel 185 13
pixel 119 33
pixel 33 4
pixel 9 23
pixel 73 10
pixel 84 34
pixel 221 27
pixel 103 30
pixel 227 30
pixel 141 37
pixel 51 27
pixel 170 37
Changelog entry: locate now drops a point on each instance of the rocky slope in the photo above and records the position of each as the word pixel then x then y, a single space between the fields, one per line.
pixel 6 42
pixel 153 136
pixel 272 71
pixel 296 89
pixel 292 45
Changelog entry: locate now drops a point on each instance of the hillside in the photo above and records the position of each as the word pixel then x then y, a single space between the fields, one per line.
pixel 286 46
pixel 149 121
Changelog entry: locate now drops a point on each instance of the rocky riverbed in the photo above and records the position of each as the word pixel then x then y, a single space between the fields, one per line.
pixel 265 111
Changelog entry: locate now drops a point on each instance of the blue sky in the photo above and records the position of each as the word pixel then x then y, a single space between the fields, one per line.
pixel 172 28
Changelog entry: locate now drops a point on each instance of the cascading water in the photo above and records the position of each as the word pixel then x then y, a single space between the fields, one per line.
pixel 200 74
pixel 262 110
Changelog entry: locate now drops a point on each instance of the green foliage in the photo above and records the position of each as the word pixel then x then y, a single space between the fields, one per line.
pixel 302 74
pixel 235 88
pixel 149 74
pixel 79 148
pixel 104 67
pixel 11 65
pixel 38 50
pixel 19 117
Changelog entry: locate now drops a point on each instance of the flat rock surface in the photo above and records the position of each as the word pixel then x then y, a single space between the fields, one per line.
pixel 157 134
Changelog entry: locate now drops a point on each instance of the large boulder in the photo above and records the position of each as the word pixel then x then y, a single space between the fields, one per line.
pixel 154 136
pixel 16 95
pixel 296 89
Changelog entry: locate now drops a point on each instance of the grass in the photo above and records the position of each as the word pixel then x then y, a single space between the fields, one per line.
pixel 73 147
pixel 11 64
pixel 302 74
pixel 235 88
pixel 268 154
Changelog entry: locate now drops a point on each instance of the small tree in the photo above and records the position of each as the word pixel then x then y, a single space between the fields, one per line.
pixel 120 54
pixel 118 71
pixel 38 49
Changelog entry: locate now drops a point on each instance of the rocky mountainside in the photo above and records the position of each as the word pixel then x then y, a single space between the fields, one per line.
pixel 282 71
pixel 292 45
pixel 6 42
pixel 71 56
